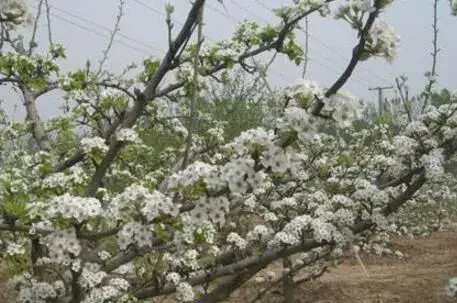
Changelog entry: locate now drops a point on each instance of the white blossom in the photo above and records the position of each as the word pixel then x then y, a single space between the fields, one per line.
pixel 128 135
pixel 184 292
pixel 385 40
pixel 236 240
pixel 173 277
pixel 94 143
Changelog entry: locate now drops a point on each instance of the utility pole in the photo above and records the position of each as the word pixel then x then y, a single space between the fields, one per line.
pixel 380 89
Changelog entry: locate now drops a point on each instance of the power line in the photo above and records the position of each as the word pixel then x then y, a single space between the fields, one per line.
pixel 327 46
pixel 236 21
pixel 318 41
pixel 331 67
pixel 156 11
pixel 356 79
pixel 262 4
pixel 153 9
pixel 108 36
pixel 126 37
pixel 90 30
pixel 266 21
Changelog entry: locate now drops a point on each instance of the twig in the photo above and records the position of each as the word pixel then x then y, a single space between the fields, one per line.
pixel 434 54
pixel 312 276
pixel 359 260
pixel 305 61
pixel 263 72
pixel 113 35
pixel 195 89
pixel 169 28
pixel 404 99
pixel 48 17
pixel 32 43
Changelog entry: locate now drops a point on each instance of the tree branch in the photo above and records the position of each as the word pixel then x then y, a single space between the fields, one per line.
pixel 224 290
pixel 32 43
pixel 356 54
pixel 148 94
pixel 113 35
pixel 48 18
pixel 432 75
pixel 274 254
pixel 151 91
pixel 305 63
pixel 195 89
pixel 38 130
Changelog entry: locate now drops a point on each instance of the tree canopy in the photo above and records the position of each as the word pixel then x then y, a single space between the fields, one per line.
pixel 142 188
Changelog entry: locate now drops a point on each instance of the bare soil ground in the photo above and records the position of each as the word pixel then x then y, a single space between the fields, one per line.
pixel 420 278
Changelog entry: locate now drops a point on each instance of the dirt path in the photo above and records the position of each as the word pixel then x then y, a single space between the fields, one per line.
pixel 418 279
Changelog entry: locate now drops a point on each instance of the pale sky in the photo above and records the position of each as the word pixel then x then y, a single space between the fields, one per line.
pixel 75 24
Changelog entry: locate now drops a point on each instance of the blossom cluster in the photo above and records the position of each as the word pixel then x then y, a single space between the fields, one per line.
pixel 384 40
pixel 172 221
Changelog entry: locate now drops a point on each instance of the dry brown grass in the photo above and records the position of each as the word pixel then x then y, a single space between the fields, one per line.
pixel 418 279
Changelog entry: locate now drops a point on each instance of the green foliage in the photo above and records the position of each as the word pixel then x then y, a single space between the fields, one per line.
pixel 150 67
pixel 293 51
pixel 74 81
pixel 268 34
pixel 444 96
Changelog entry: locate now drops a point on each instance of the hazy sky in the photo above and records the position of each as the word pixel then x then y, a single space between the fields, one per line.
pixel 83 27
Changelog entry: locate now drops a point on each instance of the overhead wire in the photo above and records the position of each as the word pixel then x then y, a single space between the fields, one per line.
pixel 149 47
pixel 147 52
pixel 108 36
pixel 313 37
pixel 156 11
pixel 355 79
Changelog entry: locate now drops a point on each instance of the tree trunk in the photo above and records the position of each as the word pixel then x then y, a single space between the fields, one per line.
pixel 288 281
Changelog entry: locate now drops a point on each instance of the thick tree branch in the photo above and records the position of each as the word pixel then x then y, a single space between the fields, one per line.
pixel 292 272
pixel 38 129
pixel 274 254
pixel 224 290
pixel 148 94
pixel 231 269
pixel 356 54
pixel 89 235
